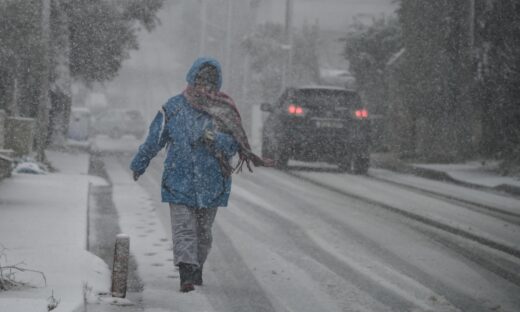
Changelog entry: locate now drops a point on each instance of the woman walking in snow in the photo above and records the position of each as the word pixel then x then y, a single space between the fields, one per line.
pixel 202 131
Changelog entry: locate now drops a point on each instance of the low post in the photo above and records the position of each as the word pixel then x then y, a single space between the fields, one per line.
pixel 120 268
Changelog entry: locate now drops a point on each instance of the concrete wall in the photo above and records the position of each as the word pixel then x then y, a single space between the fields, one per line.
pixel 5 162
pixel 20 135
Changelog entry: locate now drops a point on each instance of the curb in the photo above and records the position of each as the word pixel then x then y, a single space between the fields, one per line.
pixel 402 167
pixel 443 176
pixel 508 188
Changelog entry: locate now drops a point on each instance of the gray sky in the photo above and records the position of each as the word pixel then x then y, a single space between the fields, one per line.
pixel 154 72
pixel 331 14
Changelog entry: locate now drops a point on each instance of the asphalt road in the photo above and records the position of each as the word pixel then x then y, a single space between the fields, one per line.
pixel 314 239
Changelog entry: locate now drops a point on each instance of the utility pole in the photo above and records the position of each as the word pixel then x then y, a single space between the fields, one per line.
pixel 13 104
pixel 287 46
pixel 203 25
pixel 42 122
pixel 289 35
pixel 471 23
pixel 229 29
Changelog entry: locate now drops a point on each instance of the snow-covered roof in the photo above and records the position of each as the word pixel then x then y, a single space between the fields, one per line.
pixel 21 118
pixel 3 157
pixel 335 72
pixel 395 57
pixel 325 87
pixel 80 109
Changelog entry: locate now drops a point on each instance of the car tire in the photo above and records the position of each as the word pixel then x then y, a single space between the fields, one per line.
pixel 266 148
pixel 281 159
pixel 360 164
pixel 280 156
pixel 345 165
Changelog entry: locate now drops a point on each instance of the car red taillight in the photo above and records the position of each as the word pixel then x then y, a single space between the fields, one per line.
pixel 361 114
pixel 295 110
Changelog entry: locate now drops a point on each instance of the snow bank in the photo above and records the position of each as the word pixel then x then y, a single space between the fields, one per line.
pixel 43 225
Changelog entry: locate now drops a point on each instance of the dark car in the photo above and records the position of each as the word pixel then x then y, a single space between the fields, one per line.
pixel 318 124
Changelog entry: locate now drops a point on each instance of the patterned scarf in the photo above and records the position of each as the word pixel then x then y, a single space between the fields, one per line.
pixel 227 118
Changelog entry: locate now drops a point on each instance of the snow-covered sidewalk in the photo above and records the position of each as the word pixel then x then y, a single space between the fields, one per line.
pixel 150 242
pixel 43 227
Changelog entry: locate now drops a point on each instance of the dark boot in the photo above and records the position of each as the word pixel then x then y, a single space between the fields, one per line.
pixel 186 274
pixel 197 276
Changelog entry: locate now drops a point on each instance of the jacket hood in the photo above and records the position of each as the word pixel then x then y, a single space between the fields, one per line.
pixel 196 67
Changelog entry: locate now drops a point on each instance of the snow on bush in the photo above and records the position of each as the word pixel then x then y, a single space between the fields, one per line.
pixel 29 165
pixel 8 272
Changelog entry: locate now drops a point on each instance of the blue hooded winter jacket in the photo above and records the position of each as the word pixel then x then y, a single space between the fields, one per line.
pixel 192 175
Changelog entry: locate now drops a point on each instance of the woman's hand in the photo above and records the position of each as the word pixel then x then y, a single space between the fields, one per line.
pixel 208 136
pixel 136 176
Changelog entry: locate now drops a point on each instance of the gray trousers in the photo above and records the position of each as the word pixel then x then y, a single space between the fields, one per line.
pixel 191 233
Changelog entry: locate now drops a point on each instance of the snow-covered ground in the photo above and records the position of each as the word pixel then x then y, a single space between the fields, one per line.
pixel 287 242
pixel 151 245
pixel 43 228
pixel 408 201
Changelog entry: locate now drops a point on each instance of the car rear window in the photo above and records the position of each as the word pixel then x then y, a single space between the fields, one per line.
pixel 313 98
